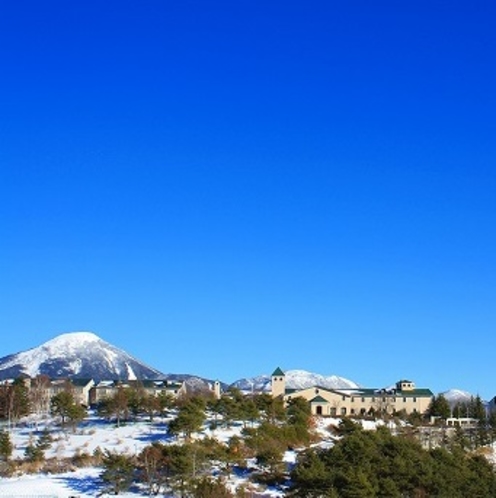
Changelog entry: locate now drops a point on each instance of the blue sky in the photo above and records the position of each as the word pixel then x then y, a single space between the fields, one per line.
pixel 221 188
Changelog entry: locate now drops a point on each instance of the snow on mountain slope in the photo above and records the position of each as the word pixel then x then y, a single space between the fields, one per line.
pixel 300 379
pixel 454 396
pixel 77 354
pixel 296 379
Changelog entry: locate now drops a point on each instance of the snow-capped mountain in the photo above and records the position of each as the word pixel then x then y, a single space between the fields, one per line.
pixel 295 379
pixel 454 396
pixel 77 355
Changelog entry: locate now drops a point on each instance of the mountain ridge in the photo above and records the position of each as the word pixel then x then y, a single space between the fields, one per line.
pixel 295 379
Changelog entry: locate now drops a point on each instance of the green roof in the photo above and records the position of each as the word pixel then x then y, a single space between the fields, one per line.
pixel 318 399
pixel 278 372
pixel 368 392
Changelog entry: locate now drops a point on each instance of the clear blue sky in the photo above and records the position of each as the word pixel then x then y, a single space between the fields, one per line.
pixel 221 188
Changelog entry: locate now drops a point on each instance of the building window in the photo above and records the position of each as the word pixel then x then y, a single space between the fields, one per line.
pixel 344 398
pixel 343 411
pixel 352 411
pixel 414 400
pixel 404 400
pixel 352 399
pixel 363 400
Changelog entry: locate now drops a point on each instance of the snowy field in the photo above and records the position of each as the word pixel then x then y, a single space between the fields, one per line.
pixel 131 438
pixel 94 433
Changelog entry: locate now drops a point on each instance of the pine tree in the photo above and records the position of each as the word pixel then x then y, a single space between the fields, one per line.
pixel 207 487
pixel 439 407
pixel 6 446
pixel 61 405
pixel 45 440
pixel 189 419
pixel 118 472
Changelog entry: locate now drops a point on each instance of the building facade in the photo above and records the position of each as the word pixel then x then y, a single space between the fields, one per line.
pixel 403 397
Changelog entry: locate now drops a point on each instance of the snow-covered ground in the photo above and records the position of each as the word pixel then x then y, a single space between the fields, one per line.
pixel 83 483
pixel 130 438
pixel 93 433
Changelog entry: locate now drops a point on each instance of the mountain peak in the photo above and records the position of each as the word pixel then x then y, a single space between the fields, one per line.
pixel 77 355
pixel 77 335
pixel 454 396
pixel 73 338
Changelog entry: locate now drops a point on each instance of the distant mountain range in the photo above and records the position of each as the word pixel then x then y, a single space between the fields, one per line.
pixel 295 379
pixel 85 355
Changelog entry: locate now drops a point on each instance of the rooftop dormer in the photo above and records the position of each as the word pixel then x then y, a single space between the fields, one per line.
pixel 405 385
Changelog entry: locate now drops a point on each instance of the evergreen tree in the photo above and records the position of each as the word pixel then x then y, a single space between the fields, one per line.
pixel 76 414
pixel 182 466
pixel 64 406
pixel 45 440
pixel 189 419
pixel 207 487
pixel 376 463
pixel 118 472
pixel 271 408
pixel 165 402
pixel 478 410
pixel 6 446
pixel 311 477
pixel 462 410
pixel 60 405
pixel 439 407
pixel 34 453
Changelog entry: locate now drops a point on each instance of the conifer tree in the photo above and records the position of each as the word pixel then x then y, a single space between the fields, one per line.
pixel 118 471
pixel 6 446
pixel 189 419
pixel 439 407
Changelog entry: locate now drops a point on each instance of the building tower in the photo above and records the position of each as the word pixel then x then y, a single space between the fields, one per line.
pixel 217 389
pixel 278 383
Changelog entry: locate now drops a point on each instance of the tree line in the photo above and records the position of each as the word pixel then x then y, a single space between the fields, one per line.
pixel 372 464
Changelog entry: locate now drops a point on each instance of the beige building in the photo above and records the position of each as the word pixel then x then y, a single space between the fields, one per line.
pixel 80 389
pixel 403 397
pixel 107 388
pixel 42 389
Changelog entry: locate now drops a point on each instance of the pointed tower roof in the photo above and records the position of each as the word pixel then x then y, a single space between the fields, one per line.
pixel 278 372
